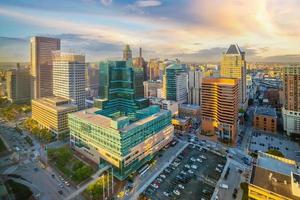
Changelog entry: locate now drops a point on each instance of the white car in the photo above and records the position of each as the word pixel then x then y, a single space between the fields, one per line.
pixel 176 192
pixel 193 159
pixel 221 166
pixel 199 160
pixel 203 157
pixel 218 170
pixel 162 176
pixel 187 166
pixel 181 186
pixel 154 185
pixel 166 194
pixel 194 166
pixel 190 171
pixel 182 172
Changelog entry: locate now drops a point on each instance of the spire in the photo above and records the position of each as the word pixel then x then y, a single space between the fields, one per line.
pixel 234 49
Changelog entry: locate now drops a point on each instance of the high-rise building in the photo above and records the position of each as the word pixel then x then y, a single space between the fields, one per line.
pixel 139 62
pixel 220 102
pixel 194 87
pixel 41 65
pixel 127 53
pixel 69 77
pixel 121 87
pixel 153 69
pixel 291 108
pixel 92 80
pixel 125 132
pixel 18 85
pixel 152 89
pixel 233 65
pixel 175 83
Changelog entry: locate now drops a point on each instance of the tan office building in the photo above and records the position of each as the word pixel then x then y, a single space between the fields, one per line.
pixel 18 85
pixel 220 103
pixel 291 107
pixel 52 113
pixel 233 65
pixel 41 65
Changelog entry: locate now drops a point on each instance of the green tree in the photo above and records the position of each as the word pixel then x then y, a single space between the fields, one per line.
pixel 275 153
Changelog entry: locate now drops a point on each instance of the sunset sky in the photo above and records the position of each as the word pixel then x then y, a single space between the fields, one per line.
pixel 192 30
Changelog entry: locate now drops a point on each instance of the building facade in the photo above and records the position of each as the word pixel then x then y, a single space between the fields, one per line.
pixel 52 113
pixel 291 107
pixel 18 85
pixel 265 119
pixel 189 110
pixel 41 65
pixel 220 100
pixel 233 65
pixel 175 83
pixel 194 87
pixel 153 69
pixel 69 77
pixel 127 53
pixel 152 89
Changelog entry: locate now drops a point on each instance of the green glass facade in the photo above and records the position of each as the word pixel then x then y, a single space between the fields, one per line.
pixel 126 132
pixel 170 73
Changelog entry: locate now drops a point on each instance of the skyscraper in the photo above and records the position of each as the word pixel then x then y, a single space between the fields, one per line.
pixel 127 53
pixel 194 87
pixel 153 69
pixel 291 108
pixel 121 86
pixel 18 85
pixel 220 100
pixel 233 65
pixel 175 83
pixel 139 62
pixel 41 65
pixel 69 77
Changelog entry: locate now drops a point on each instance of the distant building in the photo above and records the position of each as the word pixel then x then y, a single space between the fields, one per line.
pixel 219 108
pixel 175 83
pixel 233 65
pixel 92 80
pixel 275 178
pixel 272 94
pixel 41 65
pixel 139 62
pixel 265 119
pixel 153 69
pixel 52 113
pixel 127 53
pixel 18 85
pixel 189 110
pixel 194 87
pixel 165 104
pixel 69 77
pixel 291 108
pixel 152 89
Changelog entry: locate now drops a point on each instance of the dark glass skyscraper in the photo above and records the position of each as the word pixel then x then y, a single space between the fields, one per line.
pixel 121 87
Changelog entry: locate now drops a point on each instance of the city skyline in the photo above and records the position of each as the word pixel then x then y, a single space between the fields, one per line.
pixel 188 30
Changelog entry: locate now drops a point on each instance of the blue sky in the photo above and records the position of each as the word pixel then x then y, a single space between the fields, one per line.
pixel 192 30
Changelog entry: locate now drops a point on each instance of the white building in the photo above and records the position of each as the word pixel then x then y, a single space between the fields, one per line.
pixel 69 77
pixel 181 87
pixel 194 87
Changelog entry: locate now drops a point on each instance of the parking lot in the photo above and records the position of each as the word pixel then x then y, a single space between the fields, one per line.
pixel 192 175
pixel 263 142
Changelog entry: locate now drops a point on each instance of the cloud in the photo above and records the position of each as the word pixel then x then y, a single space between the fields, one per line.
pixel 106 2
pixel 147 3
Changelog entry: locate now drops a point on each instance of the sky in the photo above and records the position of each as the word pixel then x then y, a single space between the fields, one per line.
pixel 191 30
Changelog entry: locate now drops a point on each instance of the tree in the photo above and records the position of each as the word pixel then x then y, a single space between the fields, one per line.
pixel 275 153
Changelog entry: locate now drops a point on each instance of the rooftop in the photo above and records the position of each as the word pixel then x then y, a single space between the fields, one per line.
pixel 272 181
pixel 55 102
pixel 175 66
pixel 267 111
pixel 234 49
pixel 189 106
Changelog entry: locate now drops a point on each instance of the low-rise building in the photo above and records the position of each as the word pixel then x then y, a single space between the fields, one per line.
pixel 181 125
pixel 166 105
pixel 152 89
pixel 274 178
pixel 52 113
pixel 189 110
pixel 265 119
